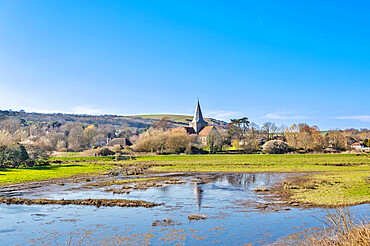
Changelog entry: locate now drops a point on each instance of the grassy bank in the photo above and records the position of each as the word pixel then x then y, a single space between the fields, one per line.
pixel 14 176
pixel 331 188
pixel 255 163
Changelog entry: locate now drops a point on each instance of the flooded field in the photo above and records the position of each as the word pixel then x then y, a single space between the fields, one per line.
pixel 234 212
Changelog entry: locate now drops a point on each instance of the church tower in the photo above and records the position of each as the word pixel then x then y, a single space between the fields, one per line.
pixel 198 122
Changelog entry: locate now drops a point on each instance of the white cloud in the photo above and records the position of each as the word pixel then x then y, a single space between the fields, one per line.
pixel 365 118
pixel 222 115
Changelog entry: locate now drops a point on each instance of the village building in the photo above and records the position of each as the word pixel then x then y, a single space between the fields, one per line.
pixel 122 142
pixel 200 127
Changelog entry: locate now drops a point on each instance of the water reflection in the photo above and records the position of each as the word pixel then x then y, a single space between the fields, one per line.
pixel 247 180
pixel 198 194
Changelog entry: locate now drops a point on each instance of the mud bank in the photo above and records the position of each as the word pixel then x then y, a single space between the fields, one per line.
pixel 86 202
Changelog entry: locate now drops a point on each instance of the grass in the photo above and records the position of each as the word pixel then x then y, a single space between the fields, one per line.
pixel 255 163
pixel 332 188
pixel 14 176
pixel 239 163
pixel 82 158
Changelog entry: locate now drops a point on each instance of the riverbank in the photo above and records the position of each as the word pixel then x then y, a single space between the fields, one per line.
pixel 340 188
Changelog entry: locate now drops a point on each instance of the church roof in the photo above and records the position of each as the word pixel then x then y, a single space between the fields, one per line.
pixel 198 117
pixel 205 131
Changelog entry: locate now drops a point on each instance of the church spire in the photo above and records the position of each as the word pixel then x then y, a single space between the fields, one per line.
pixel 198 122
pixel 198 117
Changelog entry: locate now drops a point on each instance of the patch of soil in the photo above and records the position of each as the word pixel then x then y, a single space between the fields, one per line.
pixel 145 185
pixel 197 217
pixel 88 202
pixel 165 222
pixel 174 181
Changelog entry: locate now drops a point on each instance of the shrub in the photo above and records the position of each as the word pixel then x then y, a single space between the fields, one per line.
pixel 37 153
pixel 162 142
pixel 117 149
pixel 152 141
pixel 177 143
pixel 196 150
pixel 275 147
pixel 104 152
pixel 14 155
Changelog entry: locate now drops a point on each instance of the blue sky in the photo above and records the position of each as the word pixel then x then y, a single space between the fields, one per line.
pixel 280 61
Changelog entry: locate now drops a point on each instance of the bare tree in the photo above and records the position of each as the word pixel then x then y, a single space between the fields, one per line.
pixel 163 124
pixel 269 129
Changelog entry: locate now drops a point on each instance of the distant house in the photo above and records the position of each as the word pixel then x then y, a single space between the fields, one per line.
pixel 280 138
pixel 357 146
pixel 354 145
pixel 123 142
pixel 198 126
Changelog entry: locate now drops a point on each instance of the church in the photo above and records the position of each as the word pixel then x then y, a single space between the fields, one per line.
pixel 200 127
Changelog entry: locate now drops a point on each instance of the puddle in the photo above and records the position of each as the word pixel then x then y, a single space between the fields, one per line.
pixel 227 200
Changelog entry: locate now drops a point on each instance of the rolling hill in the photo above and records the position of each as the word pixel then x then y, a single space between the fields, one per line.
pixel 138 121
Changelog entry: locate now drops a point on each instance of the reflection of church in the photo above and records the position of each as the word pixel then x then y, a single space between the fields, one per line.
pixel 198 193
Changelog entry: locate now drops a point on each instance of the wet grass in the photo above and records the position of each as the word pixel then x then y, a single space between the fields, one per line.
pixel 331 188
pixel 16 176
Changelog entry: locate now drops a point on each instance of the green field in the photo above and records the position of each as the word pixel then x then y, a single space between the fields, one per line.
pixel 23 175
pixel 238 163
pixel 255 163
pixel 333 188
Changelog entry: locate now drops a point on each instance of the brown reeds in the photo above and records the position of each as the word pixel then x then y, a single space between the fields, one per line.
pixel 342 229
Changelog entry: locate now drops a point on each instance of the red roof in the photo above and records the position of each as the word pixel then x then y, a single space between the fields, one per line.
pixel 205 131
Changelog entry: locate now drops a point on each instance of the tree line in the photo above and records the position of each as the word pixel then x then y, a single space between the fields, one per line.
pixel 33 141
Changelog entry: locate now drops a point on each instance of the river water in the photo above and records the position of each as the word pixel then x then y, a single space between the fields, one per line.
pixel 228 200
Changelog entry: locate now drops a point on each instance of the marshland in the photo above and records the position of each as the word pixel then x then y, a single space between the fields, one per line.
pixel 182 199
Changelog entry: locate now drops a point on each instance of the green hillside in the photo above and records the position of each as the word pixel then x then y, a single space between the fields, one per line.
pixel 178 120
pixel 138 121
